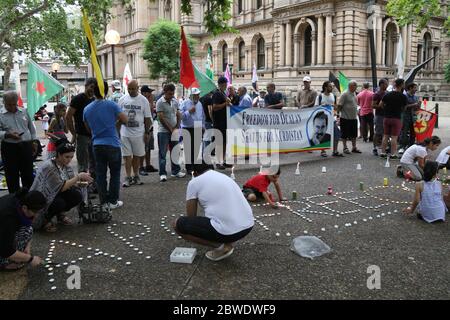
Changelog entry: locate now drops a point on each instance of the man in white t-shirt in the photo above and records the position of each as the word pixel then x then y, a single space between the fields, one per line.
pixel 228 216
pixel 135 133
pixel 444 158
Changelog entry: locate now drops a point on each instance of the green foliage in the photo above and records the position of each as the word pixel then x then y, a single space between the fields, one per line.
pixel 417 11
pixel 447 71
pixel 162 50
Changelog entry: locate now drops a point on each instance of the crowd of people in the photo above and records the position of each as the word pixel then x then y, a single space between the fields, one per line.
pixel 106 132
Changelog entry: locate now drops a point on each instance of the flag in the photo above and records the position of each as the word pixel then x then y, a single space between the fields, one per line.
pixel 93 51
pixel 205 83
pixel 17 83
pixel 41 87
pixel 332 78
pixel 255 78
pixel 409 78
pixel 187 76
pixel 343 82
pixel 424 125
pixel 209 64
pixel 425 101
pixel 227 74
pixel 399 60
pixel 127 77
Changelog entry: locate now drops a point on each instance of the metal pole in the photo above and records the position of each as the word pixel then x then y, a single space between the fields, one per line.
pixel 113 62
pixel 436 124
pixel 370 16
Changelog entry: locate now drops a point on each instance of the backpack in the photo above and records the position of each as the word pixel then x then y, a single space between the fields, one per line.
pixel 320 98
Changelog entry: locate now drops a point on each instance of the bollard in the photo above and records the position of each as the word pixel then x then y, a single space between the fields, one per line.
pixel 436 111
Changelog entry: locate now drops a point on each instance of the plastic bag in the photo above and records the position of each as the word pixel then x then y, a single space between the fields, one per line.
pixel 309 247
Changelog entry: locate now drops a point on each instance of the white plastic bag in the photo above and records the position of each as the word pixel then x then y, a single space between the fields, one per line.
pixel 309 247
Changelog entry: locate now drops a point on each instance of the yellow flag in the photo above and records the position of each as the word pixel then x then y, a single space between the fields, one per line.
pixel 93 50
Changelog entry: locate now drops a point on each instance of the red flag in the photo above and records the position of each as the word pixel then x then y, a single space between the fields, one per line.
pixel 187 76
pixel 425 102
pixel 20 101
pixel 424 125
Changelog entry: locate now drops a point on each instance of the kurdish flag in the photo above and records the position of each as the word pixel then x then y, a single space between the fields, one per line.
pixel 209 64
pixel 206 84
pixel 343 82
pixel 41 87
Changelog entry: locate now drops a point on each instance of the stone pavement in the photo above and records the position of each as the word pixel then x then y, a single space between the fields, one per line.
pixel 412 255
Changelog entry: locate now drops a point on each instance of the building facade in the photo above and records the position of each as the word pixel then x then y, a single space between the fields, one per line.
pixel 288 39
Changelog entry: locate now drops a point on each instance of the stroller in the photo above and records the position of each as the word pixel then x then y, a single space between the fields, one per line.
pixel 88 212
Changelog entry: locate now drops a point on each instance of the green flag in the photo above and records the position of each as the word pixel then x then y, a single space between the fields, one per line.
pixel 343 82
pixel 41 87
pixel 205 83
pixel 209 65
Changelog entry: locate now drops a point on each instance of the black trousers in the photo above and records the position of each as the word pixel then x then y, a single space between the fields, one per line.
pixel 63 202
pixel 192 146
pixel 18 163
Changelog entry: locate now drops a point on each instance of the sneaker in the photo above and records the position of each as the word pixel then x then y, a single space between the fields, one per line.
pixel 394 157
pixel 383 155
pixel 137 181
pixel 128 182
pixel 163 178
pixel 323 154
pixel 401 151
pixel 142 171
pixel 218 254
pixel 116 205
pixel 375 152
pixel 150 169
pixel 178 175
pixel 226 165
pixel 220 166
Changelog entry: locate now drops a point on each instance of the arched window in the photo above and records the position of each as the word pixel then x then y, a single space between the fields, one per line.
pixel 258 4
pixel 261 53
pixel 308 46
pixel 240 6
pixel 224 56
pixel 241 65
pixel 391 43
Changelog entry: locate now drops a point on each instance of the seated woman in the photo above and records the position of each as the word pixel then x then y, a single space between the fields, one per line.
pixel 16 215
pixel 428 198
pixel 58 183
pixel 413 160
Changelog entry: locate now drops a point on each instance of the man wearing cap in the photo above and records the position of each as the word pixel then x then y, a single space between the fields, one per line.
pixel 258 102
pixel 116 94
pixel 193 123
pixel 273 100
pixel 306 98
pixel 136 132
pixel 146 91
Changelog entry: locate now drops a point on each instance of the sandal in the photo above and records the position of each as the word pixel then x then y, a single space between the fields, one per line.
pixel 50 227
pixel 346 151
pixel 356 151
pixel 65 220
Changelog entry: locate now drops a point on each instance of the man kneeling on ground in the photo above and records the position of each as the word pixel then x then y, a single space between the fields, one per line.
pixel 228 216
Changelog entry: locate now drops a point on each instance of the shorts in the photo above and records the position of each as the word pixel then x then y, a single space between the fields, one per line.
pixel 379 127
pixel 133 146
pixel 247 191
pixel 201 227
pixel 349 128
pixel 392 127
pixel 151 143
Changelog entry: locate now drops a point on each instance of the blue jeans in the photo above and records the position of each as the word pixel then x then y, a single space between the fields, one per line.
pixel 108 157
pixel 165 143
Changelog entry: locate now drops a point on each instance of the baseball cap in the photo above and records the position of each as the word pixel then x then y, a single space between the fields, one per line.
pixel 307 79
pixel 195 91
pixel 116 84
pixel 146 88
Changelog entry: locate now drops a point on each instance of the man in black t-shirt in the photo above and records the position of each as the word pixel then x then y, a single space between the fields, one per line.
pixel 379 115
pixel 220 102
pixel 80 134
pixel 393 104
pixel 207 104
pixel 273 100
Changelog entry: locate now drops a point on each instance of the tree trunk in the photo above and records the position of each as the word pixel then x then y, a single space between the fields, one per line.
pixel 8 66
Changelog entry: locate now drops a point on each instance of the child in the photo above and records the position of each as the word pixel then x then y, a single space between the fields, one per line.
pixel 57 129
pixel 413 160
pixel 257 188
pixel 428 198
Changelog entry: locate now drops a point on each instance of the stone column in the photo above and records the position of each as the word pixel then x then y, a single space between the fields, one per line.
pixel 320 40
pixel 404 31
pixel 296 50
pixel 383 48
pixel 314 46
pixel 379 45
pixel 282 46
pixel 328 38
pixel 177 5
pixel 409 46
pixel 266 58
pixel 289 44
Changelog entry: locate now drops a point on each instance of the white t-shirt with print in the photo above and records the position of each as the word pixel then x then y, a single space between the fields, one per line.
pixel 223 202
pixel 413 152
pixel 136 108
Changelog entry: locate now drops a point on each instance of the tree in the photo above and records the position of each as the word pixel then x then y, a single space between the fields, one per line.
pixel 31 26
pixel 447 72
pixel 419 12
pixel 162 50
